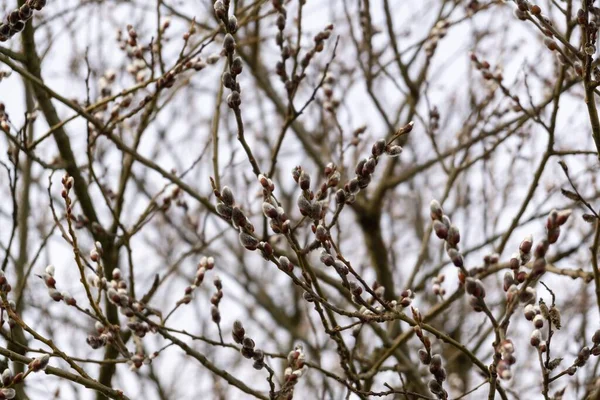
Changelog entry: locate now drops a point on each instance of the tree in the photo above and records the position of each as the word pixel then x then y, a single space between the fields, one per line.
pixel 308 199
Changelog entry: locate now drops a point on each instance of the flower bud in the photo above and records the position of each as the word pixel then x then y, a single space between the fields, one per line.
pixel 378 147
pixel 321 233
pixel 514 262
pixel 476 303
pixel 7 377
pixel 539 267
pixel 7 393
pixel 435 387
pixel 563 216
pixel 529 312
pixel 436 211
pixel 269 210
pixel 509 280
pixel 528 296
pixel 424 356
pixel 393 151
pixel 327 258
pixel 229 43
pixel 526 244
pixel 475 288
pixel 304 181
pixel 238 331
pixel 440 229
pixel 285 264
pixel 596 337
pixel 232 24
pixel 40 363
pixel 227 196
pixel 453 236
pixel 455 257
pixel 220 11
pixel 248 241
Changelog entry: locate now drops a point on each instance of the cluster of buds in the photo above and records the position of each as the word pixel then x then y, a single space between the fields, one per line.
pixel 229 78
pixel 285 49
pixel 8 379
pixel 537 314
pixel 513 278
pixel 555 220
pixel 506 350
pixel 439 31
pixel 330 104
pixel 406 298
pixel 67 182
pixel 215 300
pixel 433 361
pixel 318 47
pixel 105 83
pixel 102 337
pixel 333 179
pixel 356 134
pixel 174 197
pixel 227 209
pixel 489 75
pixel 366 167
pixel 436 287
pixel 248 349
pixel 524 7
pixel 328 260
pixel 50 283
pixel 296 367
pixel 205 264
pixel 138 328
pixel 278 220
pixel 309 203
pixel 524 255
pixel 168 80
pixel 4 118
pixel 434 119
pixel 197 63
pixel 449 233
pixel 187 35
pixel 585 353
pixel 117 294
pixel 138 67
pixel 39 363
pixel 16 19
pixel 583 356
pixel 491 259
pixel 531 313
